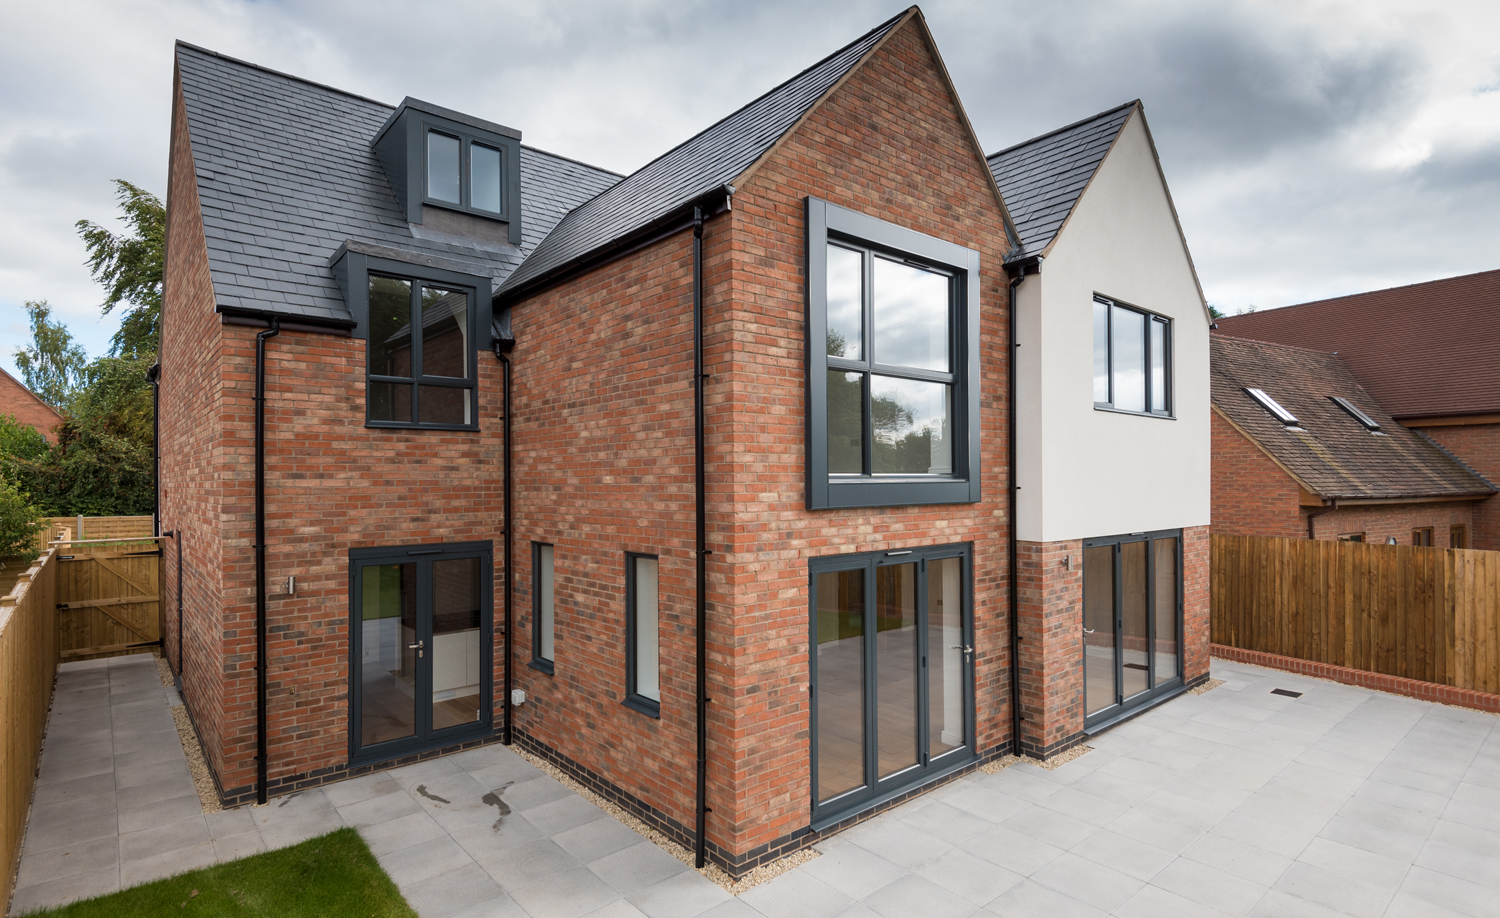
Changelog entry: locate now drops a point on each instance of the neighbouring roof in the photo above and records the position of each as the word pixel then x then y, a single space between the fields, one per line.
pixel 1042 178
pixel 1425 350
pixel 699 166
pixel 26 406
pixel 1331 453
pixel 286 175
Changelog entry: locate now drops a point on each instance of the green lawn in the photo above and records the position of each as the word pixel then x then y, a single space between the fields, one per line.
pixel 334 874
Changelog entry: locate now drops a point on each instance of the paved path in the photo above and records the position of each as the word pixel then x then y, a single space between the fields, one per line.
pixel 1236 802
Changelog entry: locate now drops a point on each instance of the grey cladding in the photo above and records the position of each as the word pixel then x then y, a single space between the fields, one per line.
pixel 1042 178
pixel 286 176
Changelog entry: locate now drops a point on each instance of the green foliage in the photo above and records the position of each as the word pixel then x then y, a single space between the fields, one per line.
pixel 130 267
pixel 1215 312
pixel 20 522
pixel 51 366
pixel 333 875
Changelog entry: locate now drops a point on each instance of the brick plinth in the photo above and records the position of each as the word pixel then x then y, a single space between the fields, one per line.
pixel 1397 685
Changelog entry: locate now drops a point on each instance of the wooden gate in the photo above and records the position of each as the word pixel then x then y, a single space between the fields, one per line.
pixel 108 597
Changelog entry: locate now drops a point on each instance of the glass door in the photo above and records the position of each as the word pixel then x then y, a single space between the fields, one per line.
pixel 1132 621
pixel 421 642
pixel 892 673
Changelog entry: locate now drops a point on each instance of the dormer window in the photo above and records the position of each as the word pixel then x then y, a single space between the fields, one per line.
pixel 448 182
pixel 1273 406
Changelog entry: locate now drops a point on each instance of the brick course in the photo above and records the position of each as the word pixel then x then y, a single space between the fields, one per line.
pixel 1380 682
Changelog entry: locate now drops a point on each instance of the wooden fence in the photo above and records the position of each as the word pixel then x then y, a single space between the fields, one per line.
pixel 108 597
pixel 1431 614
pixel 98 527
pixel 28 659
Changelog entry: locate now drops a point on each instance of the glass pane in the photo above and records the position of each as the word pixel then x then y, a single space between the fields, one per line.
pixel 1133 613
pixel 1129 343
pixel 1164 596
pixel 1101 352
pixel 840 616
pixel 647 660
pixel 387 667
pixel 1098 628
pixel 945 656
pixel 442 168
pixel 846 309
pixel 896 667
pixel 1158 365
pixel 443 405
pixel 455 642
pixel 484 178
pixel 390 327
pixel 445 333
pixel 911 316
pixel 544 602
pixel 846 423
pixel 390 401
pixel 913 424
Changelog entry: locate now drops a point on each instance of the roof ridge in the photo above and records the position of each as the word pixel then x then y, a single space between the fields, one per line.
pixel 1066 127
pixel 290 76
pixel 1258 341
pixel 571 159
pixel 1347 296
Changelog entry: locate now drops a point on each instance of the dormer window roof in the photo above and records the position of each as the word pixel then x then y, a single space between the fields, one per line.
pixel 441 162
pixel 1369 423
pixel 1273 406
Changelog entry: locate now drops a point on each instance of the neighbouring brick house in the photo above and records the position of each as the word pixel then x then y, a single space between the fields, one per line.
pixel 1302 450
pixel 838 256
pixel 22 404
pixel 1428 353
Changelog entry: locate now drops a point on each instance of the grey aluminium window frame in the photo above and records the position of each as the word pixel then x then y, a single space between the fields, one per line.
pixel 1109 337
pixel 829 222
pixel 539 662
pixel 651 707
pixel 466 141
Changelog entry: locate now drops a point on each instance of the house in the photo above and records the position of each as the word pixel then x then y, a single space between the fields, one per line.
pixel 1429 353
pixel 1302 450
pixel 22 404
pixel 696 483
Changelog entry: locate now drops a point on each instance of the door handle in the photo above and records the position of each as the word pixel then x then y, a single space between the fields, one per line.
pixel 964 647
pixel 418 646
pixel 1088 631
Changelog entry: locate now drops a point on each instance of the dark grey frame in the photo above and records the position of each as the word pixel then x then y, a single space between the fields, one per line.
pixel 1123 706
pixel 828 222
pixel 539 662
pixel 465 169
pixel 876 791
pixel 648 706
pixel 424 738
pixel 1168 337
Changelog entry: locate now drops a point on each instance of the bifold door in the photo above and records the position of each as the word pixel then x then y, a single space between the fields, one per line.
pixel 1132 619
pixel 892 668
pixel 422 639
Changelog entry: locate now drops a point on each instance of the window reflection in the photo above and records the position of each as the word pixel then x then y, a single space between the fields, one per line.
pixel 442 168
pixel 911 316
pixel 846 423
pixel 1128 337
pixel 846 321
pixel 912 421
pixel 484 178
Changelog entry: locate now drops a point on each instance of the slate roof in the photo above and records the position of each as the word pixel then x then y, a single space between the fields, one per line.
pixel 286 175
pixel 1332 454
pixel 1042 178
pixel 697 167
pixel 1424 350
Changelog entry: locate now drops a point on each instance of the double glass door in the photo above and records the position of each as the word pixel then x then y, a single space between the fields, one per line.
pixel 892 668
pixel 421 642
pixel 1132 621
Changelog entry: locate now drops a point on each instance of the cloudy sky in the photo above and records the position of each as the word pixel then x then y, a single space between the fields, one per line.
pixel 1314 148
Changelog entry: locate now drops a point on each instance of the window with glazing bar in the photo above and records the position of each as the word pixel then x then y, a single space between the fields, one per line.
pixel 421 354
pixel 642 634
pixel 1132 359
pixel 543 620
pixel 464 173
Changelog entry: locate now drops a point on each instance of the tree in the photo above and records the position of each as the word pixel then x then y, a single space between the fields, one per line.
pixel 1215 312
pixel 19 524
pixel 130 268
pixel 52 366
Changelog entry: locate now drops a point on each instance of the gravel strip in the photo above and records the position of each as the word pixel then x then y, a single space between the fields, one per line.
pixel 734 887
pixel 196 764
pixel 1057 761
pixel 1208 686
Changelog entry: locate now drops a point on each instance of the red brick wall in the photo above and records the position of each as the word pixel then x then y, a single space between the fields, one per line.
pixel 1195 601
pixel 1479 446
pixel 1379 521
pixel 1251 494
pixel 20 403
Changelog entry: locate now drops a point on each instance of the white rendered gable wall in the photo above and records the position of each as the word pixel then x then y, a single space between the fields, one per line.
pixel 1083 472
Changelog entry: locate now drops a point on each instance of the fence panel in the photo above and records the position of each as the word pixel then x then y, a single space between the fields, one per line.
pixel 28 662
pixel 109 598
pixel 1431 614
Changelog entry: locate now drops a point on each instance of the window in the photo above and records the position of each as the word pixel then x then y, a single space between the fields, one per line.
pixel 1132 359
pixel 1422 537
pixel 1369 423
pixel 543 621
pixel 448 182
pixel 1352 537
pixel 1273 406
pixel 1131 622
pixel 1458 536
pixel 422 353
pixel 893 363
pixel 642 635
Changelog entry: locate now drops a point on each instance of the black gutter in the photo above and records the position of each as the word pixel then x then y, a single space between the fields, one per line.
pixel 1018 270
pixel 260 558
pixel 700 842
pixel 153 376
pixel 502 347
pixel 1314 514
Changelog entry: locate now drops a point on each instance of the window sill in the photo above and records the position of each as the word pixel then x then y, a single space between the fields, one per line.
pixel 1140 414
pixel 855 493
pixel 542 666
pixel 643 705
pixel 460 209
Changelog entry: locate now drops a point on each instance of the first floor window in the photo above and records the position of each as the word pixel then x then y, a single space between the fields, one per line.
pixel 421 353
pixel 1132 359
pixel 542 607
pixel 642 634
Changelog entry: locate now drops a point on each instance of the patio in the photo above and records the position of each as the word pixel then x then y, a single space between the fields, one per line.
pixel 1234 802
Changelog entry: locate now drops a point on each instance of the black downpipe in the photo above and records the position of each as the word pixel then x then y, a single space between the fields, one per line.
pixel 153 376
pixel 180 665
pixel 260 558
pixel 700 842
pixel 502 345
pixel 1015 590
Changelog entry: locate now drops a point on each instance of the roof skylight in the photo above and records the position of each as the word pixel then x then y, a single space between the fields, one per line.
pixel 1271 405
pixel 1354 412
